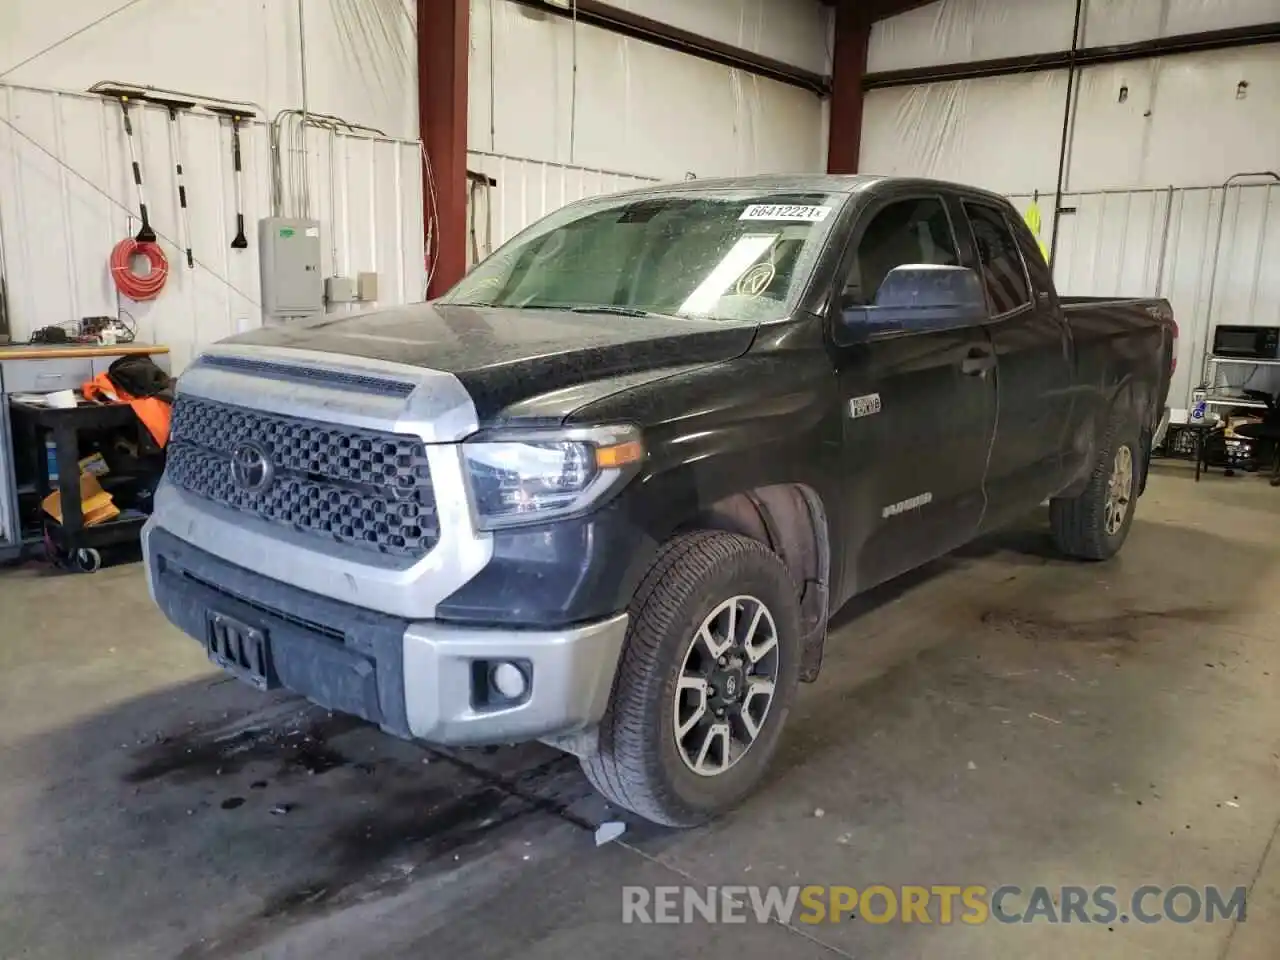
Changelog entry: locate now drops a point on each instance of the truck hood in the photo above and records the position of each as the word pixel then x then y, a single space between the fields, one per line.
pixel 520 363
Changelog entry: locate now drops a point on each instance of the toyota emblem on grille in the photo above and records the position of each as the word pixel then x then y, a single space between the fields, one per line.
pixel 251 467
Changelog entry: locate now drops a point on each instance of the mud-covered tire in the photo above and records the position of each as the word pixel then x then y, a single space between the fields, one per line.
pixel 639 765
pixel 1080 523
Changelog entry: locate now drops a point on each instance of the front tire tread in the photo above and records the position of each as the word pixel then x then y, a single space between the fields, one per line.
pixel 626 768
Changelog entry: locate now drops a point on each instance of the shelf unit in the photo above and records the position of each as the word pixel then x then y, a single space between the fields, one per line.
pixel 1210 396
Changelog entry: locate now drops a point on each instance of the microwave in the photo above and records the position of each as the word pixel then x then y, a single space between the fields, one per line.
pixel 1246 343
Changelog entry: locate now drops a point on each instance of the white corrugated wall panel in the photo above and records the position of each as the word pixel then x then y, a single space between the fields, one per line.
pixel 66 198
pixel 1162 243
pixel 528 190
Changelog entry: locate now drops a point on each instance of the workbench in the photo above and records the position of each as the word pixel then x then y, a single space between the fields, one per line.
pixel 45 368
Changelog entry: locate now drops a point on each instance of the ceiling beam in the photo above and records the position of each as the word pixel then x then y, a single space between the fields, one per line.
pixel 595 13
pixel 875 10
pixel 1255 35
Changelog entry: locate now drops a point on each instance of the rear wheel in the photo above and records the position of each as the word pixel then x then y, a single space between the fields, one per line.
pixel 706 680
pixel 1095 524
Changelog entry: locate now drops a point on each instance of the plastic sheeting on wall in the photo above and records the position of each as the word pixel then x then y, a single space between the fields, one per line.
pixel 792 31
pixel 634 106
pixel 1184 120
pixel 956 31
pixel 66 197
pixel 361 54
pixel 1001 133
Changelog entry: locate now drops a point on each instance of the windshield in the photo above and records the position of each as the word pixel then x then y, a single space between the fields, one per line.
pixel 725 255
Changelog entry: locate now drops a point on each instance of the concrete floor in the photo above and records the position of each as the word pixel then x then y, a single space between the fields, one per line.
pixel 1001 717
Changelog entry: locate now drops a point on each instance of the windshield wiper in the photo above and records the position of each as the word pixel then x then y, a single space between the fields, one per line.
pixel 581 308
pixel 610 308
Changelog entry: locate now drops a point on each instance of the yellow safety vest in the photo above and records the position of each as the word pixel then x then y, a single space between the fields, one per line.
pixel 1032 217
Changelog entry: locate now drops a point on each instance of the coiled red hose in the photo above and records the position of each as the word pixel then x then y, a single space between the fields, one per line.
pixel 138 286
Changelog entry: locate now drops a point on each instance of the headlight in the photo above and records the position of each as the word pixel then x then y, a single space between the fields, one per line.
pixel 537 476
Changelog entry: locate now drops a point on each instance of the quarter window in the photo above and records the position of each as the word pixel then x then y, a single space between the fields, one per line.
pixel 1003 273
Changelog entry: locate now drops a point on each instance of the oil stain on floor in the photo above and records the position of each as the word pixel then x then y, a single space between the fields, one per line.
pixel 364 815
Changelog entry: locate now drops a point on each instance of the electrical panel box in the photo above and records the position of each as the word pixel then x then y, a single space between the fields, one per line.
pixel 289 254
pixel 367 286
pixel 339 289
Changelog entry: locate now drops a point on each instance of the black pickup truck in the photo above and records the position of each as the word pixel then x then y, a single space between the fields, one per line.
pixel 608 491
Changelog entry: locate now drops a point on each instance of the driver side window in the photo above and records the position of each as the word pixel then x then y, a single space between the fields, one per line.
pixel 906 231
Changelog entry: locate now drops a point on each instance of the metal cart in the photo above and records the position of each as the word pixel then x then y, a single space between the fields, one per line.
pixel 70 543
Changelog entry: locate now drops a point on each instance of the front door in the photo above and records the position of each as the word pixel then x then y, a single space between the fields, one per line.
pixel 919 412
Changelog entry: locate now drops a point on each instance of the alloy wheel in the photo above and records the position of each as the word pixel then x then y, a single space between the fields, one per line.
pixel 726 685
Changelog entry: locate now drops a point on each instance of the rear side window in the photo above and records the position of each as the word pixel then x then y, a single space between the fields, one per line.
pixel 1003 273
pixel 1037 266
pixel 904 232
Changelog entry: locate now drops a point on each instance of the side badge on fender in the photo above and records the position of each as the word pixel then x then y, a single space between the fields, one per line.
pixel 864 406
pixel 905 506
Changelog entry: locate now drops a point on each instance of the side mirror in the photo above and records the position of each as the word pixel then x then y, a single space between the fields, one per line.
pixel 918 296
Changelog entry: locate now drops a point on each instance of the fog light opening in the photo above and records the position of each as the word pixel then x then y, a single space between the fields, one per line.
pixel 508 680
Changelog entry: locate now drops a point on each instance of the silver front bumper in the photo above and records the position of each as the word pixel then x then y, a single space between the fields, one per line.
pixel 423 679
pixel 281 580
pixel 571 673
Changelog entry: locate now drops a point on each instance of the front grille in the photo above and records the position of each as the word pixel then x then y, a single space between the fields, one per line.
pixel 360 487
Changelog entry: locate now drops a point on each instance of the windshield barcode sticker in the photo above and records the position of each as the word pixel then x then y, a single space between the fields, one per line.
pixel 785 211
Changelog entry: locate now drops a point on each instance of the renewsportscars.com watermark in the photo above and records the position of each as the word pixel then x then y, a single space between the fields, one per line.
pixel 936 904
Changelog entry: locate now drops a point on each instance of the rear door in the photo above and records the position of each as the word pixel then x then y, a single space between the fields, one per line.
pixel 917 427
pixel 1034 364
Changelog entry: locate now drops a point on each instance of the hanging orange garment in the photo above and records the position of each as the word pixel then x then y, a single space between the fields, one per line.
pixel 152 411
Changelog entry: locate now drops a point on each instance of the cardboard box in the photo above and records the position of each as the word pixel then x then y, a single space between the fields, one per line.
pixel 96 505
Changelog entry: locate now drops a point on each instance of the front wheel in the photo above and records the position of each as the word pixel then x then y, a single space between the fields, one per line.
pixel 706 680
pixel 1095 524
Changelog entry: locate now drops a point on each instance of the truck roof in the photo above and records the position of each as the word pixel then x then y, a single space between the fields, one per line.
pixel 800 183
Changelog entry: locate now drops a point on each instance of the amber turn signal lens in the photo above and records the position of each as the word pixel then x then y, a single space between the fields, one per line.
pixel 619 455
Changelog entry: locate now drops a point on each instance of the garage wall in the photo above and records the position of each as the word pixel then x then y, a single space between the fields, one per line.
pixel 1163 243
pixel 955 31
pixel 67 197
pixel 1151 143
pixel 361 54
pixel 1181 120
pixel 636 113
pixel 522 191
pixel 642 109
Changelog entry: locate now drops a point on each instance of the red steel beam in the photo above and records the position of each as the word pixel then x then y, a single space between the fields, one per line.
pixel 880 9
pixel 443 40
pixel 848 68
